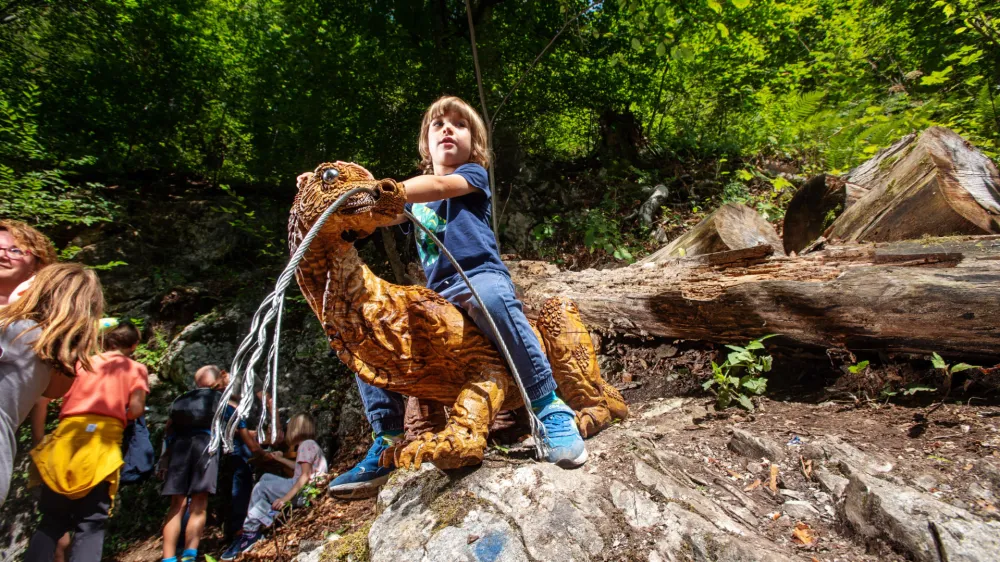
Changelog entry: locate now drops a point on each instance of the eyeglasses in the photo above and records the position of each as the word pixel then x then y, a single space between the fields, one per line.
pixel 15 253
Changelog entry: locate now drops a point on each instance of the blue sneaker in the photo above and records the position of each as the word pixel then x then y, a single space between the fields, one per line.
pixel 243 543
pixel 562 438
pixel 364 479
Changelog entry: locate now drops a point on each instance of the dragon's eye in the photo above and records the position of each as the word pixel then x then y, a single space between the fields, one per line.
pixel 330 175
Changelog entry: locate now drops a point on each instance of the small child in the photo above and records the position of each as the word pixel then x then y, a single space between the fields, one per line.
pixel 79 462
pixel 187 467
pixel 272 492
pixel 453 200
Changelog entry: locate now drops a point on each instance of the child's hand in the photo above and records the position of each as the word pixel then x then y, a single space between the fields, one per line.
pixel 279 504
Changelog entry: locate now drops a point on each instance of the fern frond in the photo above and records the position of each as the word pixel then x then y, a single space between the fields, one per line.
pixel 988 110
pixel 804 105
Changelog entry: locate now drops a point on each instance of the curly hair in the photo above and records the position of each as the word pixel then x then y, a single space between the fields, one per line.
pixel 477 129
pixel 30 239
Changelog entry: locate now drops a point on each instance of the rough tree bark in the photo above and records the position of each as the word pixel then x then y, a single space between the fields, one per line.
pixel 935 185
pixel 921 296
pixel 732 226
pixel 814 208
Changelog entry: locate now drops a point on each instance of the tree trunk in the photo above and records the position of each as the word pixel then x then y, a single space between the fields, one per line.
pixel 814 208
pixel 921 296
pixel 732 226
pixel 936 185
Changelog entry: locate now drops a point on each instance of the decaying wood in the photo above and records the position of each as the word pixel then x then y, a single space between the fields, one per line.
pixel 935 185
pixel 920 296
pixel 814 208
pixel 732 226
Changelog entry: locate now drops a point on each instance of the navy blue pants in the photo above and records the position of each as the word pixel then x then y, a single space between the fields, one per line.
pixel 240 495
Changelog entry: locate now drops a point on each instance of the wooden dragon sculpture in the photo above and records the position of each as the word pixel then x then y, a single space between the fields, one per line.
pixel 410 340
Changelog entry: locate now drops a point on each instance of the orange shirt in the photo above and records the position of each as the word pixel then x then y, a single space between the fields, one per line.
pixel 106 390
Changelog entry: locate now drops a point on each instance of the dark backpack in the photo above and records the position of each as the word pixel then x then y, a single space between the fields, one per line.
pixel 137 451
pixel 195 409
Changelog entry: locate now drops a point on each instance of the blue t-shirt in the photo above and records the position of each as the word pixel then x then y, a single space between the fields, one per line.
pixel 240 449
pixel 463 225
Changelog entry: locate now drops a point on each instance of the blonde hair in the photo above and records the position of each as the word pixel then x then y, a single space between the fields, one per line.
pixel 300 428
pixel 477 129
pixel 30 239
pixel 66 301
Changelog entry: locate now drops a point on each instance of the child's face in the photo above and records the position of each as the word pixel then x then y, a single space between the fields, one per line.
pixel 449 140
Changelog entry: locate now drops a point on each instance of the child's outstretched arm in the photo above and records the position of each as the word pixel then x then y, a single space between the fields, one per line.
pixel 427 188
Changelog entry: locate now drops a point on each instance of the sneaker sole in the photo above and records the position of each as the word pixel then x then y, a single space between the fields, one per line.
pixel 575 462
pixel 359 490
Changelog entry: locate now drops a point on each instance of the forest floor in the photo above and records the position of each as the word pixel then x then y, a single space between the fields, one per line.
pixel 950 454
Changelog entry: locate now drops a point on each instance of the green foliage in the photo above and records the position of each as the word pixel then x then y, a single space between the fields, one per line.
pixel 152 351
pixel 38 188
pixel 740 376
pixel 858 368
pixel 244 218
pixel 310 492
pixel 939 363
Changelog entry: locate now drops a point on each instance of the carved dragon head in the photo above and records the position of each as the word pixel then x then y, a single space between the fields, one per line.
pixel 357 217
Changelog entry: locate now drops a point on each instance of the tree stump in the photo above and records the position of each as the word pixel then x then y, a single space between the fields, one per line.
pixel 732 226
pixel 936 185
pixel 814 207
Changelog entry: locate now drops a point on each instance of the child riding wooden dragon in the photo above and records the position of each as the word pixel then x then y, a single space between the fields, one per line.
pixel 410 340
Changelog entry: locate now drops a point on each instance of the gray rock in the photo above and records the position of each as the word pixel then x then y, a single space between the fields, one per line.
pixel 977 490
pixel 799 510
pixel 753 446
pixel 512 512
pixel 834 484
pixel 794 494
pixel 640 511
pixel 925 482
pixel 650 209
pixel 833 450
pixel 918 523
pixel 990 471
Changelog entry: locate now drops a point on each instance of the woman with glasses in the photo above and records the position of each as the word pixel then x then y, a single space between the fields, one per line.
pixel 23 251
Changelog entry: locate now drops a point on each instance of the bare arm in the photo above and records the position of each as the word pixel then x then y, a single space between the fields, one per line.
pixel 58 385
pixel 427 188
pixel 276 455
pixel 302 481
pixel 136 404
pixel 37 416
pixel 249 440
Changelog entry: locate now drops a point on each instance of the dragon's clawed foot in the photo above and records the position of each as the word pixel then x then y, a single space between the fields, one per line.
pixel 454 447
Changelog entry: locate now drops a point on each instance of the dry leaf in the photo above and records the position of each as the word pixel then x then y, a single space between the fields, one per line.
pixel 986 506
pixel 967 467
pixel 803 534
pixel 775 516
pixel 774 478
pixel 752 487
pixel 734 475
pixel 807 467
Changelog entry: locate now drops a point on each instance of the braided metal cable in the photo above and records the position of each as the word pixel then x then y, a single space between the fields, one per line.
pixel 243 368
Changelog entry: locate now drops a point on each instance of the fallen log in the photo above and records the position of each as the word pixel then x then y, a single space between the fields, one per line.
pixel 934 185
pixel 814 207
pixel 921 296
pixel 732 226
